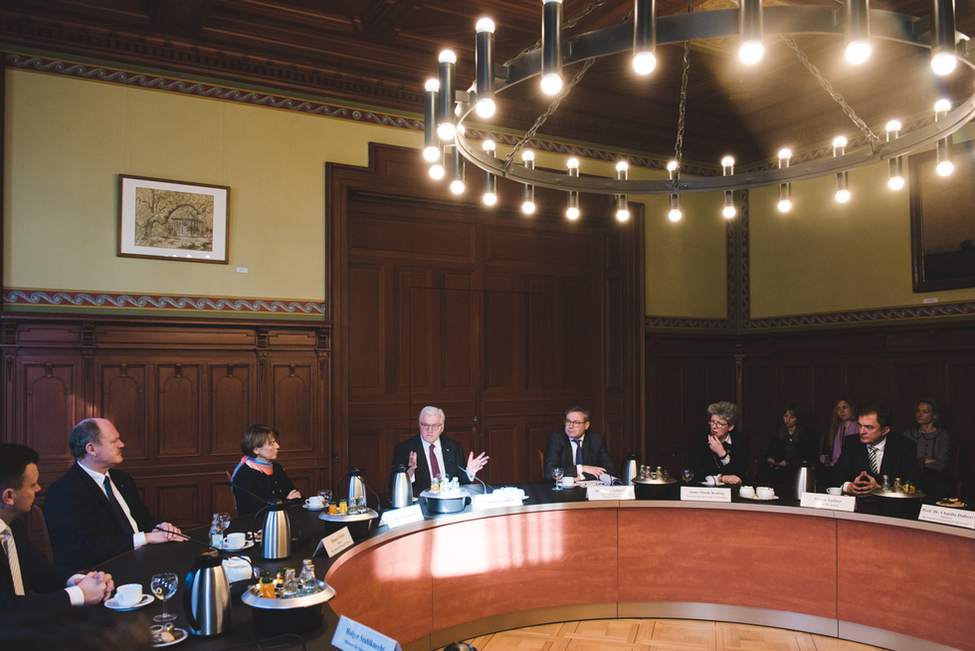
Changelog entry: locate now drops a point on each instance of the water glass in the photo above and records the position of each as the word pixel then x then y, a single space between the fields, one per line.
pixel 164 586
pixel 557 474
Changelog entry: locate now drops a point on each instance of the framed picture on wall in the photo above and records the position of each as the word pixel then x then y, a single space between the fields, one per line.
pixel 174 220
pixel 943 220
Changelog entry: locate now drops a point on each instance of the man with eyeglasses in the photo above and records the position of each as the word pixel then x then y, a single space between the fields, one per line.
pixel 580 453
pixel 428 454
pixel 721 456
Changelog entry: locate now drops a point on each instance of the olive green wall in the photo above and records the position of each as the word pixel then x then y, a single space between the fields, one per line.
pixel 68 139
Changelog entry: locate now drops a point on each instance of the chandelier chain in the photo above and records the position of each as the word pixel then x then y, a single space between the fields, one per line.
pixel 872 138
pixel 540 120
pixel 682 104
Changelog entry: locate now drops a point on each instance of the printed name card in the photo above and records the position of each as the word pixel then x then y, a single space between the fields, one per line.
pixel 336 543
pixel 400 517
pixel 705 494
pixel 350 635
pixel 831 502
pixel 943 515
pixel 596 493
pixel 497 499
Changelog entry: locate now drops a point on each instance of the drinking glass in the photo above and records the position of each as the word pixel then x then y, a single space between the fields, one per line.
pixel 688 475
pixel 326 495
pixel 164 586
pixel 224 521
pixel 557 475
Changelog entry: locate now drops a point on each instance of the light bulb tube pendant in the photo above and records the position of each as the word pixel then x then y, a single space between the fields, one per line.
pixel 644 36
pixel 857 31
pixel 729 210
pixel 551 46
pixel 944 167
pixel 484 64
pixel 842 187
pixel 490 196
pixel 750 29
pixel 785 189
pixel 622 204
pixel 446 126
pixel 431 142
pixel 675 214
pixel 572 211
pixel 528 191
pixel 456 170
pixel 895 166
pixel 943 58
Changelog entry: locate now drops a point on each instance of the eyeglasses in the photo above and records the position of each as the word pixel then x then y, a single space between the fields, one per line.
pixel 431 426
pixel 575 423
pixel 717 423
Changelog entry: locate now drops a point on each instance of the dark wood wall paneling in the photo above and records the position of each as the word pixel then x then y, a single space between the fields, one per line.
pixel 180 394
pixel 890 366
pixel 500 320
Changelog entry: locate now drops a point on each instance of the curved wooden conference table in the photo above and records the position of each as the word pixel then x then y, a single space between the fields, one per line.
pixel 892 582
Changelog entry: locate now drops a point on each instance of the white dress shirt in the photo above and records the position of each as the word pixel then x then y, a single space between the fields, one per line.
pixel 75 593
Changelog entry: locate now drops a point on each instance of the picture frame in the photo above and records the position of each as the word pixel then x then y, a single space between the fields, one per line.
pixel 942 216
pixel 172 220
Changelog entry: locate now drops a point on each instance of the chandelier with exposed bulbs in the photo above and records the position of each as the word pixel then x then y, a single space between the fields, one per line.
pixel 447 148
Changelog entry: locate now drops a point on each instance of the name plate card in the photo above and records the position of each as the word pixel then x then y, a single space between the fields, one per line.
pixel 336 543
pixel 400 517
pixel 350 635
pixel 945 515
pixel 831 502
pixel 597 493
pixel 496 500
pixel 705 494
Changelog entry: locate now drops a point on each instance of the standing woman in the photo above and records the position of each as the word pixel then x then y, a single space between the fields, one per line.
pixel 793 445
pixel 258 478
pixel 933 447
pixel 844 424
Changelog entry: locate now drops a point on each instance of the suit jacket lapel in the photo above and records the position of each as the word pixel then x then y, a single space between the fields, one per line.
pixel 97 492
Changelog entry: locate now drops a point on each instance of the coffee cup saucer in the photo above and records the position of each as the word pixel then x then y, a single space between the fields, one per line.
pixel 115 605
pixel 309 507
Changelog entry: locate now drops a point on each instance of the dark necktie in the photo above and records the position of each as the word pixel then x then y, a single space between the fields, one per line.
pixel 123 520
pixel 434 464
pixel 874 466
pixel 578 445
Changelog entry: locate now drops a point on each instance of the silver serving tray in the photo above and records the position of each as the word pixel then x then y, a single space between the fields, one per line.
pixel 916 495
pixel 655 482
pixel 251 599
pixel 368 514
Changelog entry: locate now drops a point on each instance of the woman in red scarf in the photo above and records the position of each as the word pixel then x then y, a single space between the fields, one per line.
pixel 258 479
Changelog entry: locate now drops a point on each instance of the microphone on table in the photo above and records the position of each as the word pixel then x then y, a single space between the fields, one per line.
pixel 470 474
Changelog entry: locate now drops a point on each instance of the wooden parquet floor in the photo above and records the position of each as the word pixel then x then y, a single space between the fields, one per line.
pixel 658 635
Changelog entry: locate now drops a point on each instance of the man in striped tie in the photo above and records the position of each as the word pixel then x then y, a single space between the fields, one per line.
pixel 864 462
pixel 27 578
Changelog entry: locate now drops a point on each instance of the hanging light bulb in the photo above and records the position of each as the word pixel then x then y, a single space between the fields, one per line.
pixel 572 212
pixel 446 128
pixel 528 191
pixel 484 63
pixel 785 189
pixel 943 59
pixel 457 185
pixel 675 214
pixel 431 143
pixel 750 25
pixel 895 166
pixel 490 180
pixel 842 178
pixel 551 46
pixel 727 169
pixel 622 206
pixel 857 31
pixel 944 167
pixel 644 36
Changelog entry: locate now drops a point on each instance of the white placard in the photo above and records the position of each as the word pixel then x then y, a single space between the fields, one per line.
pixel 497 499
pixel 400 517
pixel 831 502
pixel 944 515
pixel 350 635
pixel 596 493
pixel 586 483
pixel 705 494
pixel 336 543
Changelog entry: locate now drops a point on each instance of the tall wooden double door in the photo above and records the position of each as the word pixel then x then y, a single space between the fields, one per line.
pixel 502 321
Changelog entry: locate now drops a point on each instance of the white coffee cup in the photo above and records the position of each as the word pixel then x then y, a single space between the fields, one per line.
pixel 315 502
pixel 568 481
pixel 834 490
pixel 746 491
pixel 235 540
pixel 765 492
pixel 129 594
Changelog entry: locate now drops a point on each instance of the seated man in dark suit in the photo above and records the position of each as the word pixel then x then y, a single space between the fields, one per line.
pixel 93 511
pixel 864 462
pixel 27 579
pixel 441 456
pixel 580 453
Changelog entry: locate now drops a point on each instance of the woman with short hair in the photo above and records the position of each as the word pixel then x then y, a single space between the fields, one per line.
pixel 720 457
pixel 258 478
